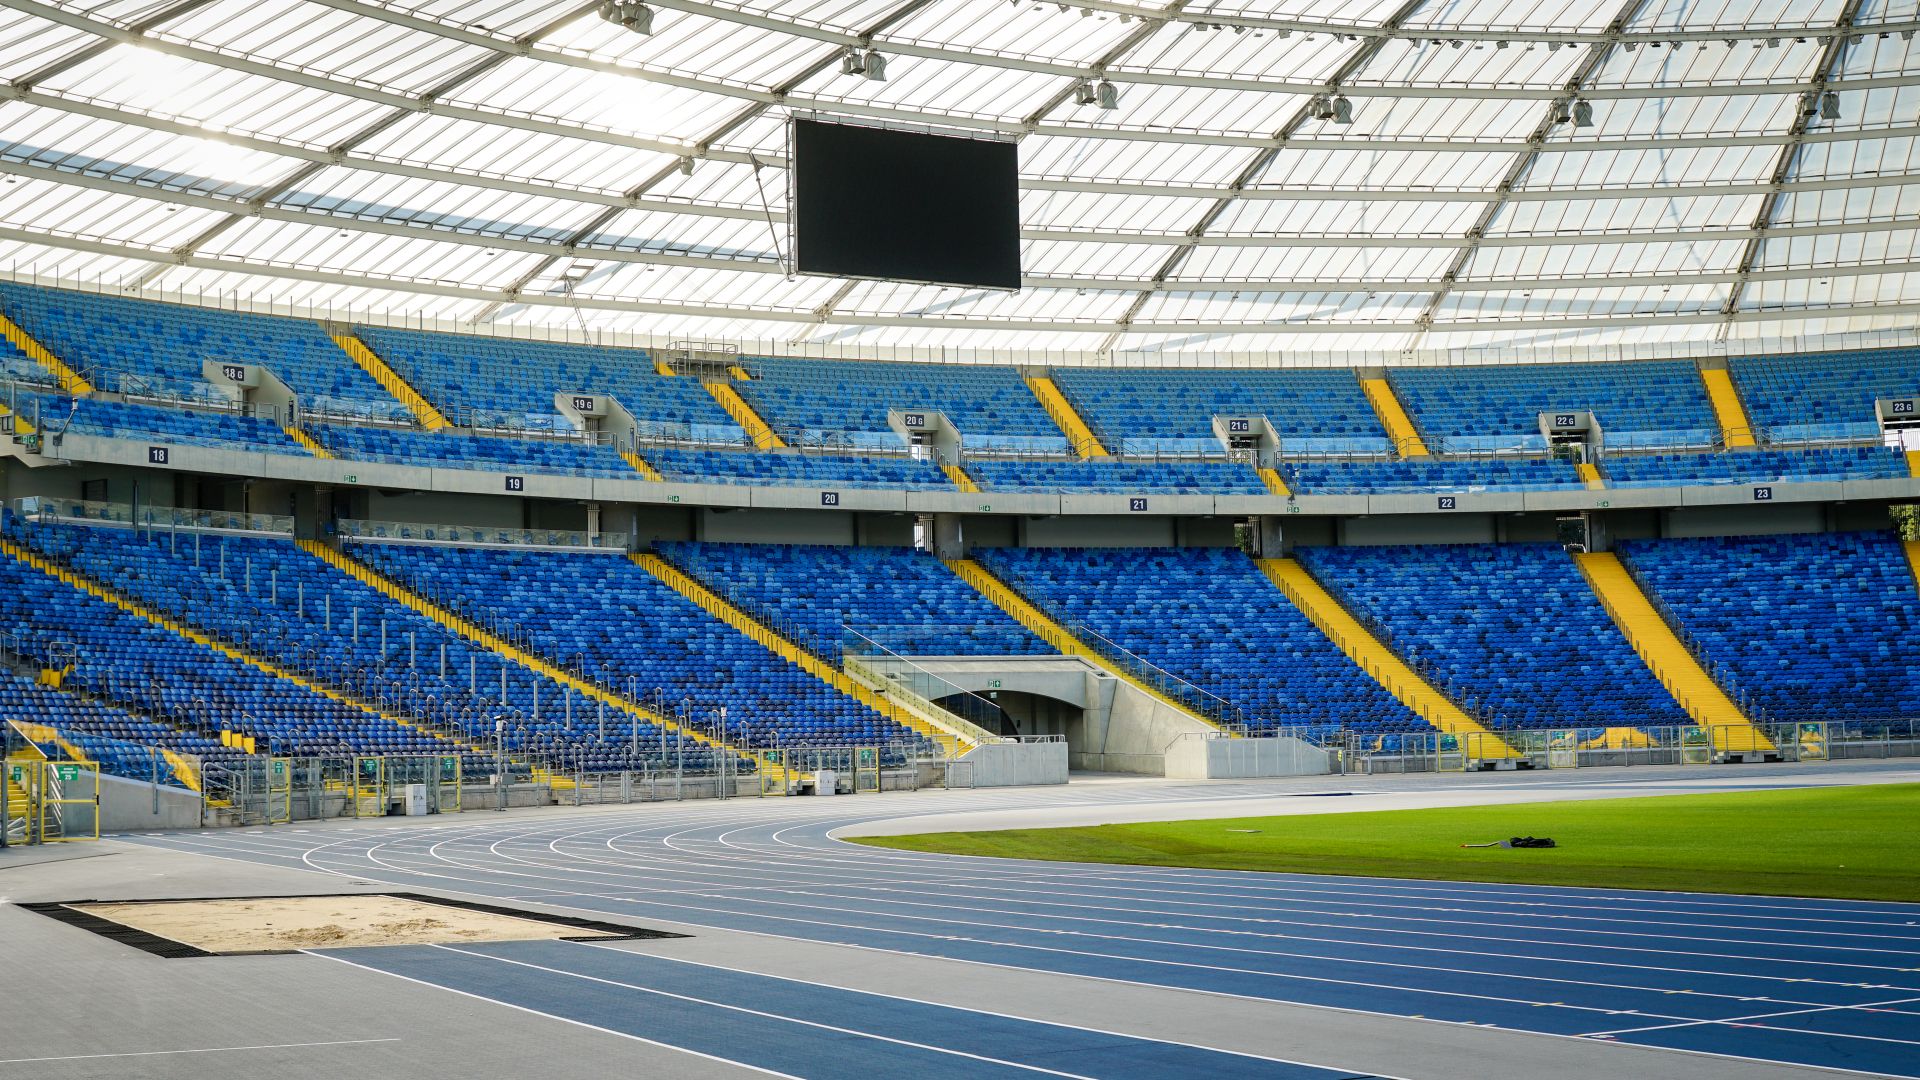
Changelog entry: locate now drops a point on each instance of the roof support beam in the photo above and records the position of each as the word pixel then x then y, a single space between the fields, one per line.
pixel 1787 160
pixel 721 311
pixel 166 14
pixel 1349 68
pixel 1589 66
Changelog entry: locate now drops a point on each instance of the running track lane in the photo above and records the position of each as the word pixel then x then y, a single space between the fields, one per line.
pixel 1816 982
pixel 797 1028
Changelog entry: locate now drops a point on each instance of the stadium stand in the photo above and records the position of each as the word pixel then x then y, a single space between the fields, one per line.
pixel 1117 476
pixel 617 624
pixel 1207 616
pixel 490 382
pixel 147 347
pixel 125 656
pixel 156 423
pixel 1338 477
pixel 1648 403
pixel 901 598
pixel 489 453
pixel 1753 466
pixel 1807 627
pixel 18 367
pixel 1510 631
pixel 795 468
pixel 808 400
pixel 1823 395
pixel 300 613
pixel 1171 410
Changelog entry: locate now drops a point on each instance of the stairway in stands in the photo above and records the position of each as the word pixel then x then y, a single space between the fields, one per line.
pixel 1736 431
pixel 1380 662
pixel 1027 614
pixel 1079 436
pixel 758 430
pixel 403 391
pixel 718 606
pixel 1667 657
pixel 1393 416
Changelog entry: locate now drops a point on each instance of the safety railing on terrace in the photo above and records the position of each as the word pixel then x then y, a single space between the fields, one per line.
pixel 48 509
pixel 1623 743
pixel 1721 673
pixel 864 655
pixel 478 536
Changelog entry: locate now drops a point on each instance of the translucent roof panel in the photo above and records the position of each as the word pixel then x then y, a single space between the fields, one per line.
pixel 1278 181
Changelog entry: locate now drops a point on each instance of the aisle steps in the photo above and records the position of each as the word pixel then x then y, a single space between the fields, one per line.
pixel 1079 436
pixel 1324 611
pixel 726 611
pixel 1024 612
pixel 1667 657
pixel 487 639
pixel 1735 429
pixel 403 391
pixel 1393 416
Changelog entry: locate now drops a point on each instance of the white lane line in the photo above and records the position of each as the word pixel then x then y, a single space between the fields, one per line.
pixel 981 1012
pixel 780 1017
pixel 1746 1021
pixel 561 1019
pixel 200 1050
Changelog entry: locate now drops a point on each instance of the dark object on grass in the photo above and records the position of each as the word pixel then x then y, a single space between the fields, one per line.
pixel 1519 841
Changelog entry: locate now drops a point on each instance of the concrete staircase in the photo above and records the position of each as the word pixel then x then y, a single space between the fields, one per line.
pixel 1393 416
pixel 1275 483
pixel 960 478
pixel 1736 431
pixel 307 442
pixel 641 466
pixel 1590 476
pixel 953 742
pixel 403 391
pixel 1027 614
pixel 761 434
pixel 70 380
pixel 491 641
pixel 1668 657
pixel 1079 436
pixel 1381 663
pixel 112 596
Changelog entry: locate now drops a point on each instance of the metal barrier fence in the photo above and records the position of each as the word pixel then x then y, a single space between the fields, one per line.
pixel 1591 747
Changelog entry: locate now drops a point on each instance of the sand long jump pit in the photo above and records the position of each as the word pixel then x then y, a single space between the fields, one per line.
pixel 252 925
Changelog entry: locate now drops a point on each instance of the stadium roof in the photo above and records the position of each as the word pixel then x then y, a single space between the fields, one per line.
pixel 1516 174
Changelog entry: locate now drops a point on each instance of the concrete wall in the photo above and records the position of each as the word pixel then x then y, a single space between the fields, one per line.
pixel 1394 529
pixel 776 526
pixel 1098 531
pixel 1743 520
pixel 1224 759
pixel 486 511
pixel 127 805
pixel 1017 764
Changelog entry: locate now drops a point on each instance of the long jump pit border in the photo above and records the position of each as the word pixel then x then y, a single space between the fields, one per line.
pixel 179 928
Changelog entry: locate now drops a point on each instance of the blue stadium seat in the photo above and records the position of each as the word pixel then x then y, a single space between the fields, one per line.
pixel 1122 477
pixel 1152 410
pixel 1823 395
pixel 487 453
pixel 1644 403
pixel 805 400
pixel 1822 627
pixel 1510 631
pixel 1339 477
pixel 795 469
pixel 1210 617
pixel 1753 466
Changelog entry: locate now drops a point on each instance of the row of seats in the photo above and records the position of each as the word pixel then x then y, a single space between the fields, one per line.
pixel 159 348
pixel 805 400
pixel 1824 395
pixel 1149 410
pixel 1210 617
pixel 1511 632
pixel 618 624
pixel 123 657
pixel 142 346
pixel 1119 477
pixel 566 457
pixel 1810 627
pixel 112 737
pixel 307 616
pixel 1644 403
pixel 901 599
pixel 1754 467
pixel 508 382
pixel 451 449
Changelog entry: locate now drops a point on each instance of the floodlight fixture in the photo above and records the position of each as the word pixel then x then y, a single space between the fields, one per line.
pixel 1583 113
pixel 1830 106
pixel 1106 95
pixel 1342 109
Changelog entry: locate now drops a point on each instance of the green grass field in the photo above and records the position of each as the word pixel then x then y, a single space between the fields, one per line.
pixel 1851 842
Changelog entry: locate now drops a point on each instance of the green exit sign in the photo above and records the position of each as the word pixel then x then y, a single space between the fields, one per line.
pixel 67 773
pixel 350 478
